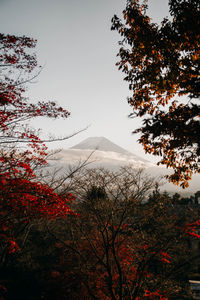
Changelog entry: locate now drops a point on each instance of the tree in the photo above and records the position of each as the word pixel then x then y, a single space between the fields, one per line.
pixel 161 65
pixel 22 197
pixel 125 244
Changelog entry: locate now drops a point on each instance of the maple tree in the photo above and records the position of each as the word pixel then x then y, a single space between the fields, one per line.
pixel 161 64
pixel 22 196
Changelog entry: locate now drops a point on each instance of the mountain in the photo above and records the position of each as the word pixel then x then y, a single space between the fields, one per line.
pixel 100 152
pixel 105 145
pixel 101 144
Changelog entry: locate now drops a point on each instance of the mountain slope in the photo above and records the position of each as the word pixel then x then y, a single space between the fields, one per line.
pixel 101 152
pixel 105 145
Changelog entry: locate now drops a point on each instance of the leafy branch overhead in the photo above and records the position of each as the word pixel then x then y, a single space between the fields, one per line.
pixel 161 65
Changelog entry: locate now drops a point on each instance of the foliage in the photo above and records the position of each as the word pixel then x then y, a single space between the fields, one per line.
pixel 22 197
pixel 124 245
pixel 161 65
pixel 121 246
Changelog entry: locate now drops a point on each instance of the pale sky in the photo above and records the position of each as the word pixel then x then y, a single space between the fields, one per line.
pixel 78 51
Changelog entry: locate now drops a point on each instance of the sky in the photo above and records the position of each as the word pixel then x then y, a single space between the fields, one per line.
pixel 77 51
